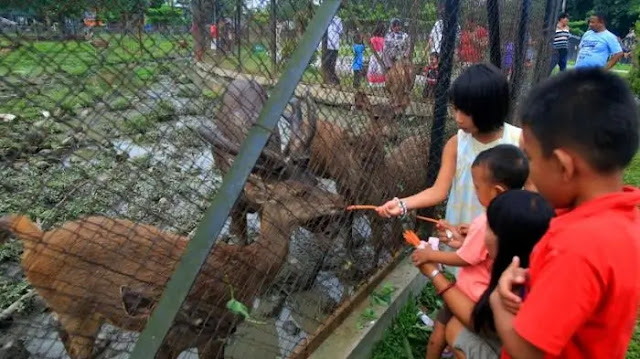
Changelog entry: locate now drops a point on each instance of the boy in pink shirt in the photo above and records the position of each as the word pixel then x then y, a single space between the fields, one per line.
pixel 494 171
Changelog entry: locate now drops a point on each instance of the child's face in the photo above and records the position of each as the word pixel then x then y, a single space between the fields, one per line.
pixel 464 121
pixel 485 189
pixel 491 242
pixel 433 60
pixel 552 175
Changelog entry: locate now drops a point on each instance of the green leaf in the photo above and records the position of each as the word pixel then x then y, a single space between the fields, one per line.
pixel 238 308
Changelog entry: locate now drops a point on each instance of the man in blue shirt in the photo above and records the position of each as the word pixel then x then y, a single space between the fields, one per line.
pixel 598 45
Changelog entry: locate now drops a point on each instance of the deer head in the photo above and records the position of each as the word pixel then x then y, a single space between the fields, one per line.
pixel 297 200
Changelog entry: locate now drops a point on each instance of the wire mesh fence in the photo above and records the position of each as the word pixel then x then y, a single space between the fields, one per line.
pixel 120 120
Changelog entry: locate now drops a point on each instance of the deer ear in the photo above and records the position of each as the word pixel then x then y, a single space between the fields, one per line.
pixel 136 303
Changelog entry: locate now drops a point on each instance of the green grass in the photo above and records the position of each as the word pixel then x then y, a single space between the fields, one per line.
pixel 68 75
pixel 392 344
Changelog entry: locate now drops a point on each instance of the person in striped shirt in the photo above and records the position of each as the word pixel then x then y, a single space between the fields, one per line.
pixel 561 43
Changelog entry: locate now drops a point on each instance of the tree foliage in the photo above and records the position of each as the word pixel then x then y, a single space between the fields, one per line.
pixel 621 14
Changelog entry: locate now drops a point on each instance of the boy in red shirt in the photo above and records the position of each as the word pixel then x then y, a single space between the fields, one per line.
pixel 580 296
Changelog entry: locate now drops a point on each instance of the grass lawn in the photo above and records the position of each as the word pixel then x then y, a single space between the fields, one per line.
pixel 67 75
pixel 406 339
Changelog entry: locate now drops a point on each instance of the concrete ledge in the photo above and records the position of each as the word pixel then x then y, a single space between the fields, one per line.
pixel 347 341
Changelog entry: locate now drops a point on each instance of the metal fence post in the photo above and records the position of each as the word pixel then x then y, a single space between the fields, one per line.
pixel 521 48
pixel 440 109
pixel 542 70
pixel 213 221
pixel 493 13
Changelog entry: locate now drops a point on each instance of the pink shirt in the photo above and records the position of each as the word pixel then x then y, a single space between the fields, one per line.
pixel 473 280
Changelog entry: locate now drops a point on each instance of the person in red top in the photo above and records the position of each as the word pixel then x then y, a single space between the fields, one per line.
pixel 473 43
pixel 580 296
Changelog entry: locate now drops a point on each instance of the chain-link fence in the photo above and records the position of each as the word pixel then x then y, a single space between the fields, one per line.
pixel 120 119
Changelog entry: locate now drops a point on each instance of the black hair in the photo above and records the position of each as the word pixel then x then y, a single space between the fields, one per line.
pixel 507 165
pixel 380 30
pixel 591 111
pixel 519 219
pixel 482 92
pixel 563 15
pixel 395 22
pixel 602 17
pixel 357 38
pixel 435 54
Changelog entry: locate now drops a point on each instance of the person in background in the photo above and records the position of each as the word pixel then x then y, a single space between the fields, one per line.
pixel 375 73
pixel 507 61
pixel 396 44
pixel 431 74
pixel 561 43
pixel 530 54
pixel 579 296
pixel 629 44
pixel 334 31
pixel 358 61
pixel 598 47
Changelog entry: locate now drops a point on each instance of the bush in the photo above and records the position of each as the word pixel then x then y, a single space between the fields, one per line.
pixel 579 27
pixel 165 15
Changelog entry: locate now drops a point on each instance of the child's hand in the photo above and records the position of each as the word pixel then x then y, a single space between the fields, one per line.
pixel 463 229
pixel 421 256
pixel 510 280
pixel 390 209
pixel 449 235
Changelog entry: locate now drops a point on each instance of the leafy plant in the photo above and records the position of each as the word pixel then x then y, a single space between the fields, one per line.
pixel 383 296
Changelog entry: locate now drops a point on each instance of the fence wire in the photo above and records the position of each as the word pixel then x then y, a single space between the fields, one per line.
pixel 119 120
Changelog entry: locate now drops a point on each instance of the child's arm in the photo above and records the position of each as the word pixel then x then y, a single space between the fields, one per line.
pixel 428 255
pixel 433 195
pixel 460 305
pixel 504 317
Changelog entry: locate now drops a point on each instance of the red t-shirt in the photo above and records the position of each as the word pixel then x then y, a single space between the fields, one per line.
pixel 585 281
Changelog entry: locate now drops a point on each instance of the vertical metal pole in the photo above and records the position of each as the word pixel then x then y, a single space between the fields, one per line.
pixel 441 104
pixel 564 5
pixel 200 246
pixel 493 15
pixel 274 40
pixel 543 63
pixel 521 48
pixel 237 30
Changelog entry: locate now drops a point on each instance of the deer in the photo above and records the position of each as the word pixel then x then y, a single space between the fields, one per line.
pixel 241 106
pixel 98 270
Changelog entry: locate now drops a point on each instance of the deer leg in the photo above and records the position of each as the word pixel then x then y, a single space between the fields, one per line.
pixel 212 349
pixel 239 226
pixel 377 234
pixel 79 335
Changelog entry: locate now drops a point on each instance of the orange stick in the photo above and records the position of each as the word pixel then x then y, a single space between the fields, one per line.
pixel 427 219
pixel 361 207
pixel 411 237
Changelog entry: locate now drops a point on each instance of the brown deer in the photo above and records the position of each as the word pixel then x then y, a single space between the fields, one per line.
pixel 241 106
pixel 97 43
pixel 97 269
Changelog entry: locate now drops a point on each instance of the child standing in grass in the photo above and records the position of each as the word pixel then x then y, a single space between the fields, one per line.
pixel 431 75
pixel 581 292
pixel 494 171
pixel 480 101
pixel 358 61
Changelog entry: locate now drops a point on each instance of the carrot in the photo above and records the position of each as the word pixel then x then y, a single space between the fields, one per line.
pixel 356 207
pixel 427 219
pixel 411 237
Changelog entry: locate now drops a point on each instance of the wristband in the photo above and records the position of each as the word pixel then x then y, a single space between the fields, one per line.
pixel 433 274
pixel 451 285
